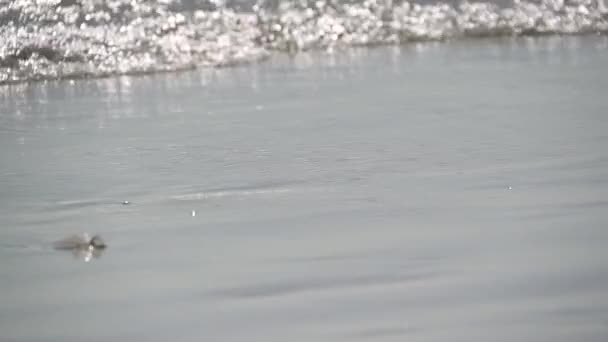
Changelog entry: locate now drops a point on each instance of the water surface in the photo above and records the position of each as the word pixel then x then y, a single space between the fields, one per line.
pixel 431 192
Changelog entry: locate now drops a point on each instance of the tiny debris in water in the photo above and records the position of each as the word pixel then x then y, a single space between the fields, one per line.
pixel 193 213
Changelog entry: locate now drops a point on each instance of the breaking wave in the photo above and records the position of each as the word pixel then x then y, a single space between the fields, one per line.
pixel 54 39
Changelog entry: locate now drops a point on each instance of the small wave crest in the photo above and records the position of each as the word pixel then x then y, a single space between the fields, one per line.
pixel 51 39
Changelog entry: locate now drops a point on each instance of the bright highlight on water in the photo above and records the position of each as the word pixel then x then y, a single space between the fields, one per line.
pixel 71 39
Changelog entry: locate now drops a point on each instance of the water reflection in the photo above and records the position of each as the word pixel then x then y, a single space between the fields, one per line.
pixel 88 254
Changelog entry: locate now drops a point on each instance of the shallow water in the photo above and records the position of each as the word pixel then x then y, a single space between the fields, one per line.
pixel 430 192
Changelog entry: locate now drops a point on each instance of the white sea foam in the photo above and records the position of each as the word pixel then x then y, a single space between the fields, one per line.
pixel 69 39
